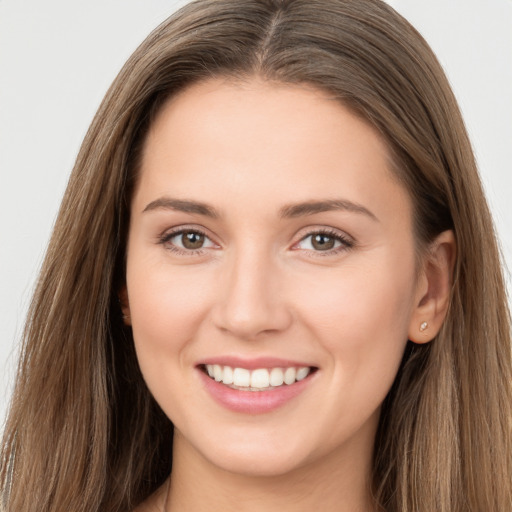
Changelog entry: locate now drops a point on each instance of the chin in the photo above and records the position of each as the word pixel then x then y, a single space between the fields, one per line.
pixel 260 466
pixel 251 455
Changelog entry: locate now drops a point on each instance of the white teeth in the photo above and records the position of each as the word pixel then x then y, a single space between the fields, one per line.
pixel 260 378
pixel 255 380
pixel 241 377
pixel 228 375
pixel 289 375
pixel 276 377
pixel 302 373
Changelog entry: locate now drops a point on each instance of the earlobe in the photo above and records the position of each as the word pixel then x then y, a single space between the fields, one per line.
pixel 434 289
pixel 125 305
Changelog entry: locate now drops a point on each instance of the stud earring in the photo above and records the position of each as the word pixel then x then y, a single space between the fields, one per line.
pixel 423 326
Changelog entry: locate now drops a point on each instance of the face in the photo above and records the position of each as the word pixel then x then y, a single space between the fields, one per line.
pixel 270 275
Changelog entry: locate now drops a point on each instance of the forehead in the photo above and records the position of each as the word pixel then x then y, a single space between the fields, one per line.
pixel 258 140
pixel 255 107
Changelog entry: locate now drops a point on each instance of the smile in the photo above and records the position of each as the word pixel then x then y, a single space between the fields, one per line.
pixel 259 379
pixel 255 386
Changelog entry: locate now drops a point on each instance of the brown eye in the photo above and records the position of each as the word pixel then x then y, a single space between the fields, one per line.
pixel 322 242
pixel 187 242
pixel 326 242
pixel 192 240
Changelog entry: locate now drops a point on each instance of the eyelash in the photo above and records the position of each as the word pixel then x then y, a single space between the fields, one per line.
pixel 346 243
pixel 168 236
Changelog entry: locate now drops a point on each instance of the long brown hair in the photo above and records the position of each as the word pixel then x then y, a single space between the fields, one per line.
pixel 84 434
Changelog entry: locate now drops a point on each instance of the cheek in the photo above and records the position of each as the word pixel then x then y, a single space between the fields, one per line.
pixel 362 325
pixel 363 320
pixel 165 308
pixel 362 297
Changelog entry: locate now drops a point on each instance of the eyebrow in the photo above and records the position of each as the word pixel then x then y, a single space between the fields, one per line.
pixel 182 205
pixel 287 212
pixel 313 207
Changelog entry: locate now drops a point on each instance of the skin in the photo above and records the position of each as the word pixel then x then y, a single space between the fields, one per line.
pixel 259 287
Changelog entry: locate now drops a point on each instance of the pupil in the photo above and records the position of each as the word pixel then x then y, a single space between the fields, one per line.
pixel 192 240
pixel 323 242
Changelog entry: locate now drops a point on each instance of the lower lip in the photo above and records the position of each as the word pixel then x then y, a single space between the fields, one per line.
pixel 253 402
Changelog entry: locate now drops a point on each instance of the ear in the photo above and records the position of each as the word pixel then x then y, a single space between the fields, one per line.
pixel 433 289
pixel 125 305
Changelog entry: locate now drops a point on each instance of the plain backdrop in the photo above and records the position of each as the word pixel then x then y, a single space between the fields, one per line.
pixel 58 57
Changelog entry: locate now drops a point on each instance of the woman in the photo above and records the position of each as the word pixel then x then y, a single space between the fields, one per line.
pixel 273 272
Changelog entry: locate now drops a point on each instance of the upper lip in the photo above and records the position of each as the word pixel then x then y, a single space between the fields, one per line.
pixel 253 363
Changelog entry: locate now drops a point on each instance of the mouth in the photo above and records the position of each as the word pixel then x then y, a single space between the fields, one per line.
pixel 258 379
pixel 256 386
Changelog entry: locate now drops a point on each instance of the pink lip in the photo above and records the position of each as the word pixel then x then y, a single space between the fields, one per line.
pixel 253 402
pixel 252 364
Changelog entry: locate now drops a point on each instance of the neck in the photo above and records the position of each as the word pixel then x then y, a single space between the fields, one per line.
pixel 338 482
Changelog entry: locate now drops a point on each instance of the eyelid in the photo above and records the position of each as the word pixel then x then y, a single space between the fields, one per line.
pixel 346 241
pixel 165 237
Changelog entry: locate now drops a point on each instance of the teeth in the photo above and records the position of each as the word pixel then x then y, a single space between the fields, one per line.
pixel 241 377
pixel 255 380
pixel 302 373
pixel 228 375
pixel 217 372
pixel 260 379
pixel 289 375
pixel 277 377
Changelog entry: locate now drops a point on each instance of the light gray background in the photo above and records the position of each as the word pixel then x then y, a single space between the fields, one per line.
pixel 58 57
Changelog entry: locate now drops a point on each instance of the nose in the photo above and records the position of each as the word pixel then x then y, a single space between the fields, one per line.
pixel 251 299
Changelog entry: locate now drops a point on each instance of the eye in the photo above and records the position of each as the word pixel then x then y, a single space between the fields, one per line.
pixel 324 241
pixel 186 241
